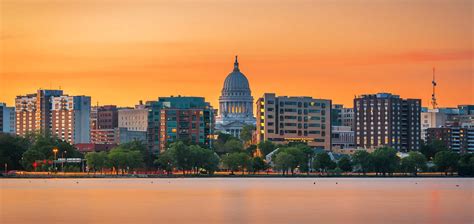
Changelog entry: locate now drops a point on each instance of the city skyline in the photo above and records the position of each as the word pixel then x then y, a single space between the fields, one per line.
pixel 153 53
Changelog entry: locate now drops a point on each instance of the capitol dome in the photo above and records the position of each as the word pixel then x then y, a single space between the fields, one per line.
pixel 236 81
pixel 235 103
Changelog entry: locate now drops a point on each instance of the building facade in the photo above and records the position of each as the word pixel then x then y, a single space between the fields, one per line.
pixel 7 119
pixel 70 118
pixel 432 118
pixel 235 103
pixel 341 116
pixel 457 139
pixel 104 121
pixel 189 119
pixel 51 111
pixel 384 119
pixel 343 137
pixel 282 119
pixel 33 111
pixel 134 119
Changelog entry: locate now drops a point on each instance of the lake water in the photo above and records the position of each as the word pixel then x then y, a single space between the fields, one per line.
pixel 237 200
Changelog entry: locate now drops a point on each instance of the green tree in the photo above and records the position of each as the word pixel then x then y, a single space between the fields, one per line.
pixel 166 161
pixel 123 159
pixel 233 145
pixel 211 164
pixel 203 159
pixel 413 162
pixel 96 161
pixel 266 147
pixel 345 164
pixel 29 157
pixel 431 148
pixel 251 149
pixel 246 133
pixel 236 161
pixel 182 156
pixel 305 163
pixel 446 161
pixel 363 160
pixel 258 164
pixel 323 162
pixel 284 161
pixel 385 160
pixel 140 146
pixel 11 150
pixel 466 165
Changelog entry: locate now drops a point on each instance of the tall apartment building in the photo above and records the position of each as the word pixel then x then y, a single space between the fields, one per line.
pixel 51 111
pixel 7 119
pixel 283 119
pixel 179 118
pixel 33 111
pixel 70 118
pixel 104 121
pixel 384 119
pixel 458 139
pixel 341 116
pixel 134 119
pixel 433 118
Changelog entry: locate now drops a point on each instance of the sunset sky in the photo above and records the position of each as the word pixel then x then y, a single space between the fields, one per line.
pixel 123 51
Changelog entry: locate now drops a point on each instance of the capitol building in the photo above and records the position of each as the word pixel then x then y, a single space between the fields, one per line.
pixel 235 103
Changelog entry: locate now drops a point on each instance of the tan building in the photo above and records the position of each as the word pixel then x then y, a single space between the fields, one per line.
pixel 70 118
pixel 433 118
pixel 33 111
pixel 285 119
pixel 135 119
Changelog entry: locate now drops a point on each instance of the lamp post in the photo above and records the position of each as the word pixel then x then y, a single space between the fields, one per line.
pixel 55 151
pixel 64 160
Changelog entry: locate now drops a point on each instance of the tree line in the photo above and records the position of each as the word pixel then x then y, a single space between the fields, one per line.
pixel 236 155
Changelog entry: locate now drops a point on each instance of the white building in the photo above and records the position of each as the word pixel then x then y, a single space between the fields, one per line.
pixel 433 118
pixel 70 118
pixel 235 103
pixel 134 119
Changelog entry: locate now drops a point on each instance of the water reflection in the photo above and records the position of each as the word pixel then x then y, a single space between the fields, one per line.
pixel 226 200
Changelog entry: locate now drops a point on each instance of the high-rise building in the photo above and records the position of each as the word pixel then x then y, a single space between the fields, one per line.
pixel 70 118
pixel 51 111
pixel 432 118
pixel 235 103
pixel 384 119
pixel 456 138
pixel 134 119
pixel 170 119
pixel 33 111
pixel 283 119
pixel 342 116
pixel 7 119
pixel 104 121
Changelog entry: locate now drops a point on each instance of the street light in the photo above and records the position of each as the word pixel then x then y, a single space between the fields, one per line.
pixel 62 164
pixel 55 151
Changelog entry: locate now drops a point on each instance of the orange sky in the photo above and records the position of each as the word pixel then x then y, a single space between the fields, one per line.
pixel 121 51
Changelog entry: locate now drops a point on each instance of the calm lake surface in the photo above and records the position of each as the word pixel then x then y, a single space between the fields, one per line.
pixel 238 200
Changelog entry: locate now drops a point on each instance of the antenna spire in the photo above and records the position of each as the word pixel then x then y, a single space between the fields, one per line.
pixel 433 95
pixel 236 64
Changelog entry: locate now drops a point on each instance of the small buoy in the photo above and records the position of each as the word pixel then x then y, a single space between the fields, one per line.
pixel 416 183
pixel 77 182
pixel 457 185
pixel 314 182
pixel 336 182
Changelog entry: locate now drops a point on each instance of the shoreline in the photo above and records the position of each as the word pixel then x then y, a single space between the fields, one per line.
pixel 252 176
